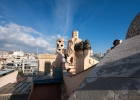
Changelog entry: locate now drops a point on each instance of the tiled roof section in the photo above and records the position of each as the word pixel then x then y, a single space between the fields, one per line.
pixel 15 91
pixel 134 28
pixel 15 97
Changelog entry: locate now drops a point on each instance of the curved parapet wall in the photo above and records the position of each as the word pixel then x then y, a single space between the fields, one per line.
pixel 115 77
pixel 10 77
pixel 72 81
pixel 134 28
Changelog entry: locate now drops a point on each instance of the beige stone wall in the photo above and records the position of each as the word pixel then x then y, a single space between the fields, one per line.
pixel 9 78
pixel 46 56
pixel 42 59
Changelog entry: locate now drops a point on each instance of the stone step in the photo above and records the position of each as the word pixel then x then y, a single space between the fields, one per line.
pixel 71 66
pixel 72 69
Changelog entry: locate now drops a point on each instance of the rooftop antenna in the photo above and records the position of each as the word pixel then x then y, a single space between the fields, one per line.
pixel 37 51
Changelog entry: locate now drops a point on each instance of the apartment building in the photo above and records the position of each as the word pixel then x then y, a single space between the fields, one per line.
pixel 30 66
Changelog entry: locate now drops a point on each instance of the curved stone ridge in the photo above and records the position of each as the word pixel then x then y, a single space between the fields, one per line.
pixel 134 28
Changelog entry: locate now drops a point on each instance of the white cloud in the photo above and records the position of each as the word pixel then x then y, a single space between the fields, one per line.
pixel 18 37
pixel 9 45
pixel 64 11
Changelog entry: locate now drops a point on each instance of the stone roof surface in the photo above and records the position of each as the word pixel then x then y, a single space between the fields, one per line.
pixel 116 76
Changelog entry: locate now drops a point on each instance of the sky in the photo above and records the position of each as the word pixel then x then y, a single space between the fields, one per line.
pixel 30 24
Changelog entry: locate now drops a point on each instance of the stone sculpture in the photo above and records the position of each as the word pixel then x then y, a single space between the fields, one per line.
pixel 60 45
pixel 59 52
pixel 70 48
pixel 70 52
pixel 78 53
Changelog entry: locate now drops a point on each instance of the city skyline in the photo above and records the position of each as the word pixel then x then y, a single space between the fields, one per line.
pixel 30 24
